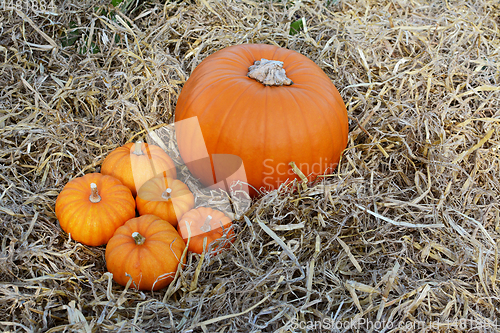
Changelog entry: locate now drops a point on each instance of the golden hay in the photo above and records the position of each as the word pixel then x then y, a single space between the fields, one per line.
pixel 402 237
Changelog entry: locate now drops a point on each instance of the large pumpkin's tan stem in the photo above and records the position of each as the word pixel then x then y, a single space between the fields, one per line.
pixel 206 226
pixel 138 148
pixel 269 73
pixel 167 194
pixel 139 239
pixel 94 194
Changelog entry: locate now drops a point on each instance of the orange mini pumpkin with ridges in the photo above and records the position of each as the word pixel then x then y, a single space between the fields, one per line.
pixel 146 248
pixel 92 207
pixel 164 197
pixel 265 104
pixel 205 222
pixel 136 163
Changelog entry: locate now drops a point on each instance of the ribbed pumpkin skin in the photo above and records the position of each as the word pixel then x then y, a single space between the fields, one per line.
pixel 267 126
pixel 134 170
pixel 150 201
pixel 153 264
pixel 196 218
pixel 94 223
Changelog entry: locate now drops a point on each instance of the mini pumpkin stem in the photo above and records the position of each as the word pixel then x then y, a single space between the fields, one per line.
pixel 138 148
pixel 269 73
pixel 206 225
pixel 167 194
pixel 138 238
pixel 94 194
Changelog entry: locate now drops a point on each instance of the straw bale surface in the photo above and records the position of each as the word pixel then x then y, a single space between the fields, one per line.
pixel 402 237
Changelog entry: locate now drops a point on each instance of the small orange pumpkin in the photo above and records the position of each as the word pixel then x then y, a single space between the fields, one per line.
pixel 146 248
pixel 164 197
pixel 136 163
pixel 92 207
pixel 205 222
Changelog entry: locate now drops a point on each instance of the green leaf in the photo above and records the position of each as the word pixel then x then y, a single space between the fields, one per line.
pixel 116 2
pixel 100 11
pixel 69 38
pixel 94 48
pixel 296 27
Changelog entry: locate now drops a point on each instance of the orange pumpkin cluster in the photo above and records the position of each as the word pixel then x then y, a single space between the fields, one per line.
pixel 100 208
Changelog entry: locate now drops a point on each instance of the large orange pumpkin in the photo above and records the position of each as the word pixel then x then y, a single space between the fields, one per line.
pixel 146 248
pixel 205 222
pixel 136 163
pixel 92 207
pixel 164 197
pixel 267 115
